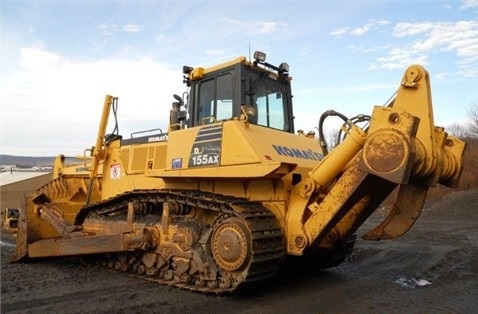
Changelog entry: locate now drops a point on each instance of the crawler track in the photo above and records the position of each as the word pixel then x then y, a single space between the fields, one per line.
pixel 243 245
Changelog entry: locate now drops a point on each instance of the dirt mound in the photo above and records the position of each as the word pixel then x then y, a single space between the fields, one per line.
pixel 461 205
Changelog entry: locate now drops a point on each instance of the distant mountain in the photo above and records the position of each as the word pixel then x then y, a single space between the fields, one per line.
pixel 26 161
pixel 29 161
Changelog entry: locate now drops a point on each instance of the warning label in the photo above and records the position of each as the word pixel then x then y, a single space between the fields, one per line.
pixel 115 171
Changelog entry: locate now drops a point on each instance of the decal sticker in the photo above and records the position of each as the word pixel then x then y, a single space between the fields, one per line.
pixel 206 150
pixel 298 153
pixel 158 138
pixel 115 171
pixel 204 156
pixel 177 163
pixel 83 168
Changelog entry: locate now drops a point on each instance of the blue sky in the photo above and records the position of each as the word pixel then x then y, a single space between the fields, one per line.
pixel 59 59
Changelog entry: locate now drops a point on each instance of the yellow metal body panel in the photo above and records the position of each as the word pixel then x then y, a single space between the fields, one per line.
pixel 198 73
pixel 125 166
pixel 252 161
pixel 243 151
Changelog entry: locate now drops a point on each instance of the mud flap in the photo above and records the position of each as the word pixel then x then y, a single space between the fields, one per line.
pixel 405 211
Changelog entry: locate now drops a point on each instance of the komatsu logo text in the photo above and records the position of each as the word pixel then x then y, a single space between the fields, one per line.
pixel 297 153
pixel 80 169
pixel 158 138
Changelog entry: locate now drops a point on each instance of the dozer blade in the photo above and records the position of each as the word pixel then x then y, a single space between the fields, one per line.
pixel 404 213
pixel 21 251
pixel 41 205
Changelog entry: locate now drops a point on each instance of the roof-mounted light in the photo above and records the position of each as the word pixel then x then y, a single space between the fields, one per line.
pixel 259 56
pixel 187 69
pixel 186 77
pixel 283 69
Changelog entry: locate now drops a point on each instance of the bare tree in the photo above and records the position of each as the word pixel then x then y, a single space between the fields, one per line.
pixel 457 130
pixel 472 125
pixel 332 140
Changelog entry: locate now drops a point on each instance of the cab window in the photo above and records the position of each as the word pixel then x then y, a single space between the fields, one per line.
pixel 215 99
pixel 270 111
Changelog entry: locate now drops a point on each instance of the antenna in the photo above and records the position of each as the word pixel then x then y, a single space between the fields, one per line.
pixel 249 51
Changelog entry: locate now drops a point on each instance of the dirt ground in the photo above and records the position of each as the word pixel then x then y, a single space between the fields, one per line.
pixel 432 269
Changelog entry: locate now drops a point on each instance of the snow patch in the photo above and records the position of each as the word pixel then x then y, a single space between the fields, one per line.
pixel 6 244
pixel 412 282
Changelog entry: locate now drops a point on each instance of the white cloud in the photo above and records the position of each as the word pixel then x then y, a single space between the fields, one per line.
pixel 339 32
pixel 400 58
pixel 55 100
pixel 132 28
pixel 266 27
pixel 360 31
pixel 107 28
pixel 102 26
pixel 460 38
pixel 381 23
pixel 442 76
pixel 37 60
pixel 468 4
pixel 408 29
pixel 370 25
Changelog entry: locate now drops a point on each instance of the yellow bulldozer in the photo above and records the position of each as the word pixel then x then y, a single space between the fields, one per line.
pixel 10 219
pixel 230 190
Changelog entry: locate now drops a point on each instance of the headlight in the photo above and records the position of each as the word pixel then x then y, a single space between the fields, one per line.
pixel 259 56
pixel 283 68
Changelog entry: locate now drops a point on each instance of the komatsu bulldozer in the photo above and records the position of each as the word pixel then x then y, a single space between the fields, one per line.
pixel 10 219
pixel 230 190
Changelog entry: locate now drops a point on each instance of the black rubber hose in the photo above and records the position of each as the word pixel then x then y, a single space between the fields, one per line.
pixel 325 115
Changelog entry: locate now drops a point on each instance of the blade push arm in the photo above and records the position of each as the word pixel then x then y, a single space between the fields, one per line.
pixel 98 151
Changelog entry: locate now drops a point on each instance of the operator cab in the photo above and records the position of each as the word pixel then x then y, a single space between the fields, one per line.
pixel 224 92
